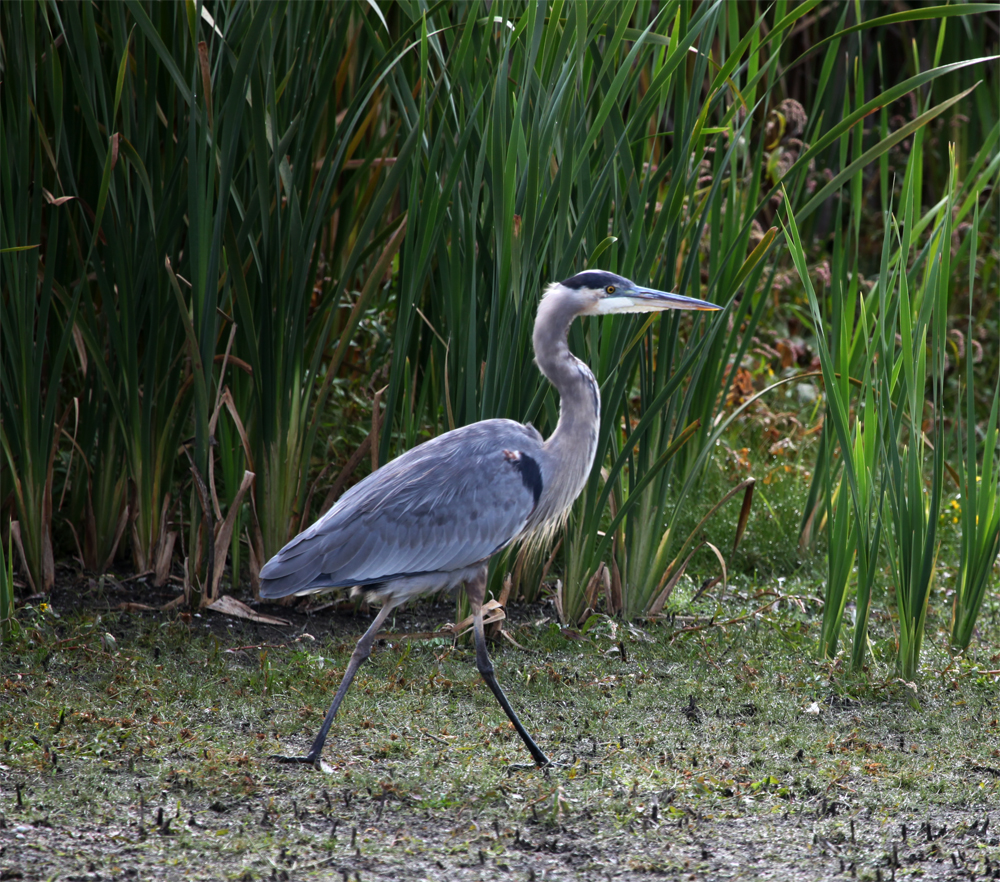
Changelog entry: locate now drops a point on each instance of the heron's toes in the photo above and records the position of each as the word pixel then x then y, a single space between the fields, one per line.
pixel 564 763
pixel 544 765
pixel 310 760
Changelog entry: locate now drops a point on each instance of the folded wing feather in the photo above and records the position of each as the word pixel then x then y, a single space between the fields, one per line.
pixel 441 507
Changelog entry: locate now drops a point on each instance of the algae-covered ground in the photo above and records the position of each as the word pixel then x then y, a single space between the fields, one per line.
pixel 135 745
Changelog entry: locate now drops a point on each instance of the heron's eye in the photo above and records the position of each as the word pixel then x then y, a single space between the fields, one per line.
pixel 610 289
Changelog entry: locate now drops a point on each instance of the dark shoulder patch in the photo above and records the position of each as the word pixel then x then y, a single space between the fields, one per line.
pixel 531 475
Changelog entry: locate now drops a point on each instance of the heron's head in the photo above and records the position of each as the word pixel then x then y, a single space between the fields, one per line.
pixel 596 292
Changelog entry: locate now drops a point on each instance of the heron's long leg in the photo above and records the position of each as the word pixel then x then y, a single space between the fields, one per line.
pixel 475 588
pixel 358 657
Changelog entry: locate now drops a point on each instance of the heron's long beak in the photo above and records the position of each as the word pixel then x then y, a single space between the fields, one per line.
pixel 649 300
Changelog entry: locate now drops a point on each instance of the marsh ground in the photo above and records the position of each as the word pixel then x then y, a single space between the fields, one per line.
pixel 135 745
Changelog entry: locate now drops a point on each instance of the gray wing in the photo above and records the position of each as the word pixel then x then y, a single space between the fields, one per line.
pixel 445 505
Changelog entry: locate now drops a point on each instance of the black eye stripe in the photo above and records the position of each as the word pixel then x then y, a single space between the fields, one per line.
pixel 597 280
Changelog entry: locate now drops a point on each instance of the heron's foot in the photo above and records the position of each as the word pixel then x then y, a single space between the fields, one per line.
pixel 308 759
pixel 543 764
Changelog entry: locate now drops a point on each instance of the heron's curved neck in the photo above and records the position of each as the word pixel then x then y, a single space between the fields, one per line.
pixel 575 434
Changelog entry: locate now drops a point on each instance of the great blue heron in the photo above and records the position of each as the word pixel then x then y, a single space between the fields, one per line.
pixel 432 518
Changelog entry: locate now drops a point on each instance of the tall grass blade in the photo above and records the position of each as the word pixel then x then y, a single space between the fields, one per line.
pixel 7 623
pixel 979 485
